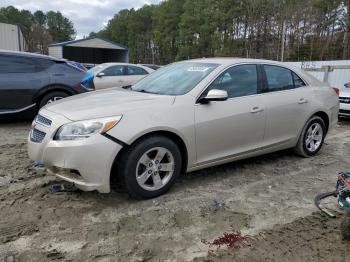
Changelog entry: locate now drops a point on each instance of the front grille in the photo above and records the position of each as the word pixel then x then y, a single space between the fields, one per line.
pixel 342 111
pixel 37 136
pixel 43 120
pixel 344 100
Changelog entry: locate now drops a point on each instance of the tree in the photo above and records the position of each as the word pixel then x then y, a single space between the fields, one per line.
pixel 60 28
pixel 346 41
pixel 183 29
pixel 39 29
pixel 166 20
pixel 40 18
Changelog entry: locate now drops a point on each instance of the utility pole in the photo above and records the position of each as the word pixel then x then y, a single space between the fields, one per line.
pixel 283 39
pixel 346 40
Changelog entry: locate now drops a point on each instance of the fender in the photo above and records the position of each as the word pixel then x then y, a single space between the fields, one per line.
pixel 53 87
pixel 155 130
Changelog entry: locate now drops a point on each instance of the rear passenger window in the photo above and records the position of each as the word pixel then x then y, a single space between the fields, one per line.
pixel 298 82
pixel 13 64
pixel 117 70
pixel 44 63
pixel 238 81
pixel 278 78
pixel 134 70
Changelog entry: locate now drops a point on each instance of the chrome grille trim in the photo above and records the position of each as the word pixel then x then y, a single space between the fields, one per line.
pixel 41 120
pixel 37 136
pixel 344 100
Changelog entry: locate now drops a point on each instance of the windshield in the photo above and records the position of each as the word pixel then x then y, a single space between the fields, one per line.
pixel 97 68
pixel 175 79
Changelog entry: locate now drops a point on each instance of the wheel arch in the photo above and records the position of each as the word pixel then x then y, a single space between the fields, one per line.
pixel 52 88
pixel 324 117
pixel 171 135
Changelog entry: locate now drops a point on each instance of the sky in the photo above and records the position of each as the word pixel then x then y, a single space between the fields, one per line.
pixel 87 15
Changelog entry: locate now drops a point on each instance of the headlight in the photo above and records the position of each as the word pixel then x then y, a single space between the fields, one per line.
pixel 84 129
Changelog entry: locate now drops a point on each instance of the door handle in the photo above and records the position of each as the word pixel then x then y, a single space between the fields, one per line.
pixel 256 109
pixel 302 101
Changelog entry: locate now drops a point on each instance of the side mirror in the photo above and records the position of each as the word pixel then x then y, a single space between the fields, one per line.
pixel 347 85
pixel 214 95
pixel 101 74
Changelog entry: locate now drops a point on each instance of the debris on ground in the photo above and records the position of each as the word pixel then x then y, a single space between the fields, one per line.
pixel 63 187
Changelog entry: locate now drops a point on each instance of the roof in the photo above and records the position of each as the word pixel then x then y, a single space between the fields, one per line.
pixel 231 60
pixel 81 41
pixel 27 54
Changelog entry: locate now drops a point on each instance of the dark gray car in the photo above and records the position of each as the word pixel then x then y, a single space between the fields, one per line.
pixel 30 81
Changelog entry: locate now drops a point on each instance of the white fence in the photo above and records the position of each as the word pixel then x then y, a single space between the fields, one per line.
pixel 336 73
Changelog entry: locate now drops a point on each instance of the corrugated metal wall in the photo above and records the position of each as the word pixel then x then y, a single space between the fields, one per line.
pixel 336 78
pixel 56 51
pixel 11 38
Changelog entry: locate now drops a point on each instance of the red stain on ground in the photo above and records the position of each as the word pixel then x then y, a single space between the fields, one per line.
pixel 233 240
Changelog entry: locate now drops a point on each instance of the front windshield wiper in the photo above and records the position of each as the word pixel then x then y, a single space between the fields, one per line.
pixel 144 91
pixel 127 87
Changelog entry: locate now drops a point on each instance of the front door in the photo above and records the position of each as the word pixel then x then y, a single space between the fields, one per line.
pixel 112 76
pixel 236 126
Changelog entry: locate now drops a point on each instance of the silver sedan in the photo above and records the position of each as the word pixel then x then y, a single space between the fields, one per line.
pixel 184 117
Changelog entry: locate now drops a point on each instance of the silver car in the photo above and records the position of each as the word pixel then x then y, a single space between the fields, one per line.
pixel 116 75
pixel 183 117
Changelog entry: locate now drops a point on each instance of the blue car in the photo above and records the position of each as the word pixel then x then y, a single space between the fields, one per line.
pixel 30 81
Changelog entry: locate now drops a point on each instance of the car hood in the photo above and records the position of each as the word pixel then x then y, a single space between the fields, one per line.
pixel 104 103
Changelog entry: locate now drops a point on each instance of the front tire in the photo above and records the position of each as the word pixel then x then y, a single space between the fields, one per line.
pixel 312 137
pixel 150 167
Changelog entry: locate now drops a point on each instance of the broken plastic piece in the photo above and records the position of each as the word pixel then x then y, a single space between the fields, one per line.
pixel 63 188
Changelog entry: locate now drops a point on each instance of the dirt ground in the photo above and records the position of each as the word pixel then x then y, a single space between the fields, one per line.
pixel 269 198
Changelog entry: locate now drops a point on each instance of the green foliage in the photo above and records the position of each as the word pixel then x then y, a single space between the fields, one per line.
pixel 60 27
pixel 39 28
pixel 184 29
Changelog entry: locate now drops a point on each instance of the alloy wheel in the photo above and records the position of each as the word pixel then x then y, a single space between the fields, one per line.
pixel 54 99
pixel 155 168
pixel 314 137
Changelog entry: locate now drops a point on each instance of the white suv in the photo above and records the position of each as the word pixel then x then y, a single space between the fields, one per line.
pixel 344 99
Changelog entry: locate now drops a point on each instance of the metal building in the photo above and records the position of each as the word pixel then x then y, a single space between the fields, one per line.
pixel 11 38
pixel 92 50
pixel 336 72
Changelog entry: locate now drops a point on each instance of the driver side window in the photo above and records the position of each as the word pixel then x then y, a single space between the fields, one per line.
pixel 117 70
pixel 241 80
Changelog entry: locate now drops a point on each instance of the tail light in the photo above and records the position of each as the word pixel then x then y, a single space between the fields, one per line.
pixel 336 90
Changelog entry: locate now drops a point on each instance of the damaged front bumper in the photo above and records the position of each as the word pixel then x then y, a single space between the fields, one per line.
pixel 87 163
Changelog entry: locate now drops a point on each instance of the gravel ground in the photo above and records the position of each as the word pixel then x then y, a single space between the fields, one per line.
pixel 268 197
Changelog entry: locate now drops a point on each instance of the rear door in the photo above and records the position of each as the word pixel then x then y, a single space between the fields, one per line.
pixel 287 98
pixel 229 128
pixel 20 78
pixel 113 76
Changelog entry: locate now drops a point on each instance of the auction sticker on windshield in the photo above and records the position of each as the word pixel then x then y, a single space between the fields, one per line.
pixel 197 69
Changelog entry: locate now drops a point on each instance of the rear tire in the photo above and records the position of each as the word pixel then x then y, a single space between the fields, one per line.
pixel 52 97
pixel 145 172
pixel 312 137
